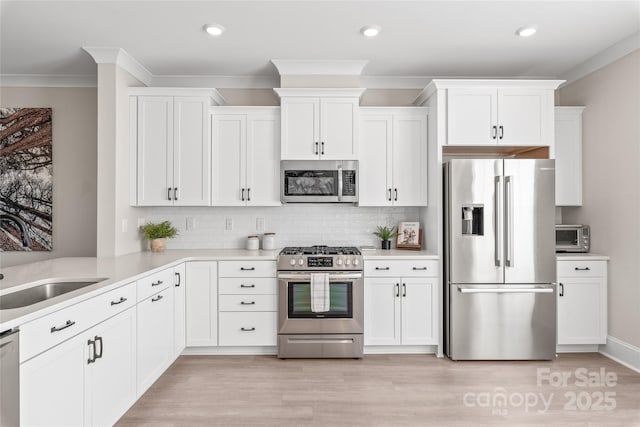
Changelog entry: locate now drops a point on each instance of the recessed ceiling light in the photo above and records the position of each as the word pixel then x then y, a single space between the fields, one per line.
pixel 214 29
pixel 370 30
pixel 526 31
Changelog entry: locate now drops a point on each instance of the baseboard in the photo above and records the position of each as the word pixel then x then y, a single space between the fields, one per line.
pixel 244 351
pixel 400 349
pixel 622 352
pixel 577 348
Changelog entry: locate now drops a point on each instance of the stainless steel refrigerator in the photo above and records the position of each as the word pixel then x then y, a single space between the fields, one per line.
pixel 500 261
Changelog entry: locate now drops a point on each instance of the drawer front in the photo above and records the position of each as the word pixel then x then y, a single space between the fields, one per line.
pixel 242 285
pixel 404 268
pixel 247 269
pixel 247 303
pixel 154 283
pixel 247 329
pixel 582 268
pixel 115 301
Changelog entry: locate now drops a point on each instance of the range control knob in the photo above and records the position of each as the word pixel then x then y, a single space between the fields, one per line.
pixel 356 262
pixel 300 262
pixel 339 261
pixel 292 262
pixel 348 261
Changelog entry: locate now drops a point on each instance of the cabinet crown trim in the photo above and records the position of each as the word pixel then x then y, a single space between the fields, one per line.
pixel 212 94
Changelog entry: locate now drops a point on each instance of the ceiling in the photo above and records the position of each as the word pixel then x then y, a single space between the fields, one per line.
pixel 418 38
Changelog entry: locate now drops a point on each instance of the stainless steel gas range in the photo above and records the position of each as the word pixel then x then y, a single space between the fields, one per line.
pixel 320 302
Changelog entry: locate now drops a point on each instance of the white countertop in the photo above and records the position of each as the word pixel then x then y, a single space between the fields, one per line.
pixel 581 257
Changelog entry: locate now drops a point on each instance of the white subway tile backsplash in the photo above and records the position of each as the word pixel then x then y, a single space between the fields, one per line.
pixel 308 224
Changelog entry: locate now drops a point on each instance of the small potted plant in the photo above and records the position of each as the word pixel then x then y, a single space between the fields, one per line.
pixel 385 234
pixel 158 234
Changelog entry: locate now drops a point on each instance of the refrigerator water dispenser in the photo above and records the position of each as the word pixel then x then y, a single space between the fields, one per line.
pixel 473 219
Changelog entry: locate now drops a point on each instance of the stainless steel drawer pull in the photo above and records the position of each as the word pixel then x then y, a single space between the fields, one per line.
pixel 582 269
pixel 159 282
pixel 382 268
pixel 247 269
pixel 247 303
pixel 66 325
pixel 247 329
pixel 419 268
pixel 120 301
pixel 158 298
pixel 247 286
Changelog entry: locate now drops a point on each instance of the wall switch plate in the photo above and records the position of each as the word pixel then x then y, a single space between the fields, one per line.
pixel 228 224
pixel 191 223
pixel 259 224
pixel 125 225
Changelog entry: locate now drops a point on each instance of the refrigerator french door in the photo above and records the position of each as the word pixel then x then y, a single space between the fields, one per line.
pixel 500 264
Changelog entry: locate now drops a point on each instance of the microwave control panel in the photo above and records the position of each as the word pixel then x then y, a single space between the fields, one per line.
pixel 349 183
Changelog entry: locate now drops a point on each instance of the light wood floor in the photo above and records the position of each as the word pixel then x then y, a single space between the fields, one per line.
pixel 389 390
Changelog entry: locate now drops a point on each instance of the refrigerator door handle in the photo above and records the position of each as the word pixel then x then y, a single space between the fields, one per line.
pixel 499 222
pixel 466 290
pixel 508 202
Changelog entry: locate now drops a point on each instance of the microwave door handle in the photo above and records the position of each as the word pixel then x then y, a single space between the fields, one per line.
pixel 340 184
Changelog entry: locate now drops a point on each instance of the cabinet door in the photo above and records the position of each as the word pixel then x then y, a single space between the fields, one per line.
pixel 191 169
pixel 410 160
pixel 300 128
pixel 179 309
pixel 375 160
pixel 52 386
pixel 382 311
pixel 525 116
pixel 229 152
pixel 339 128
pixel 471 116
pixel 263 159
pixel 155 150
pixel 111 380
pixel 418 320
pixel 202 303
pixel 582 310
pixel 568 153
pixel 154 338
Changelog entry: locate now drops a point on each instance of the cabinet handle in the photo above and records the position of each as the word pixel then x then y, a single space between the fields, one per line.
pixel 242 197
pixel 99 355
pixel 247 329
pixel 120 301
pixel 404 289
pixel 561 290
pixel 396 195
pixel 397 290
pixel 582 269
pixel 169 193
pixel 158 298
pixel 316 148
pixel 322 149
pixel 247 303
pixel 248 194
pixel 175 193
pixel 92 358
pixel 419 268
pixel 382 268
pixel 179 279
pixel 389 194
pixel 494 132
pixel 60 328
pixel 247 286
pixel 159 282
pixel 247 269
pixel 501 132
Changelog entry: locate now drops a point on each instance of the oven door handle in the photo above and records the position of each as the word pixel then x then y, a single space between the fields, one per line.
pixel 307 276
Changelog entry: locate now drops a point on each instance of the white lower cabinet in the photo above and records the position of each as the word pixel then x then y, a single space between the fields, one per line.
pixel 179 309
pixel 400 310
pixel 201 303
pixel 155 338
pixel 86 380
pixel 582 302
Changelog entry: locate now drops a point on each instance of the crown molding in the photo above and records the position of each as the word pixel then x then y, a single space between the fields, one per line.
pixel 213 94
pixel 325 92
pixel 120 57
pixel 47 80
pixel 295 67
pixel 231 82
pixel 394 82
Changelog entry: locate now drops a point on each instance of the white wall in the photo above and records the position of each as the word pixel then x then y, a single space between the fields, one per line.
pixel 611 182
pixel 74 168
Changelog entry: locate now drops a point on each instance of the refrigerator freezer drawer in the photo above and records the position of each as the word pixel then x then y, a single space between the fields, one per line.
pixel 502 322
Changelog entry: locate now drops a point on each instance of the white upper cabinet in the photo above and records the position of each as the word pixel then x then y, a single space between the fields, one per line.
pixel 246 156
pixel 568 152
pixel 319 123
pixel 393 156
pixel 170 143
pixel 495 112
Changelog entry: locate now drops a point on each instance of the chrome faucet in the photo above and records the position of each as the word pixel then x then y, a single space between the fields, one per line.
pixel 26 240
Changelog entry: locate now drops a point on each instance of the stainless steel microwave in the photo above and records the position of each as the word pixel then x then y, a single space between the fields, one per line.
pixel 319 181
pixel 572 238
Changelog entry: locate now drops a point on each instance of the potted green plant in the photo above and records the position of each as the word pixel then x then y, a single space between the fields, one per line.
pixel 157 234
pixel 385 234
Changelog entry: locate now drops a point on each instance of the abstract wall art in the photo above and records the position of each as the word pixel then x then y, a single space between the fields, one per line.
pixel 26 180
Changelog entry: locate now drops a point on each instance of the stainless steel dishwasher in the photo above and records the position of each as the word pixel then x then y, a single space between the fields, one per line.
pixel 10 374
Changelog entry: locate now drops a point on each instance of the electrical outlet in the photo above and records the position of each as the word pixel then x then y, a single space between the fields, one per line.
pixel 125 225
pixel 191 223
pixel 228 224
pixel 259 224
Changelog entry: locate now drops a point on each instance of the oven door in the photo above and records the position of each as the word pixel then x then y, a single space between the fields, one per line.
pixel 568 239
pixel 345 315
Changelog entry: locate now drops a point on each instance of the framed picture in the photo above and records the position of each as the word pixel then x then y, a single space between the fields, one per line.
pixel 409 236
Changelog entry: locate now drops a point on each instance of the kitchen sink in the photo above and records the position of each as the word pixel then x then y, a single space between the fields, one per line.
pixel 42 292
